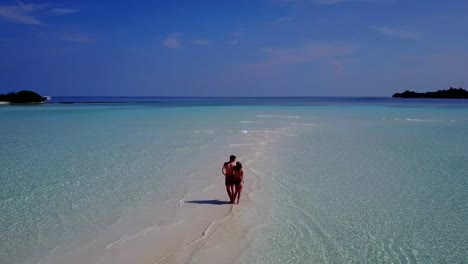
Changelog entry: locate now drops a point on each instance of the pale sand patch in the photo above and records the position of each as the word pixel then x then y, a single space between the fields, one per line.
pixel 208 230
pixel 200 227
pixel 230 237
pixel 178 228
pixel 224 240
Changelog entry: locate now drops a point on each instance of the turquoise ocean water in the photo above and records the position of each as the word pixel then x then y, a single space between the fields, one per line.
pixel 361 180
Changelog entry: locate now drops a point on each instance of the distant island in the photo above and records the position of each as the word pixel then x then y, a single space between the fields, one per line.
pixel 451 93
pixel 22 97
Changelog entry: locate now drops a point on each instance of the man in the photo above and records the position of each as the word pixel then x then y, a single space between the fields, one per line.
pixel 227 171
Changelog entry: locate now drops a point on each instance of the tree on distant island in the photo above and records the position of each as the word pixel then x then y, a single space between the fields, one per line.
pixel 452 93
pixel 22 97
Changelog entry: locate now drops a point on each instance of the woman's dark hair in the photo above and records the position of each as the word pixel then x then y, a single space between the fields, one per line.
pixel 238 165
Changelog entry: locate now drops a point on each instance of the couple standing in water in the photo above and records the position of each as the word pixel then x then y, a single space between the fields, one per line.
pixel 234 178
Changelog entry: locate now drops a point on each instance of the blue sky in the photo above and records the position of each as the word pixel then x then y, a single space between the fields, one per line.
pixel 233 48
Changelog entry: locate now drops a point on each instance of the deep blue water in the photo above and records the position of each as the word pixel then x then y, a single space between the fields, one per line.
pixel 274 101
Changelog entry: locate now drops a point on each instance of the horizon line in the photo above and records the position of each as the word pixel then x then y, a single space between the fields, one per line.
pixel 158 96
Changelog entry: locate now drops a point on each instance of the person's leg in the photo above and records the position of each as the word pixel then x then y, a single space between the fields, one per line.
pixel 234 193
pixel 238 192
pixel 233 197
pixel 229 191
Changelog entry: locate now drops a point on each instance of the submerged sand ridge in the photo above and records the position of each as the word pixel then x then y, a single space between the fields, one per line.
pixel 225 239
pixel 198 227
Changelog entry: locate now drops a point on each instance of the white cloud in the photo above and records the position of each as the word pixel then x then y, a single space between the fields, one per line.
pixel 30 7
pixel 21 13
pixel 77 38
pixel 172 41
pixel 28 14
pixel 394 32
pixel 64 11
pixel 201 42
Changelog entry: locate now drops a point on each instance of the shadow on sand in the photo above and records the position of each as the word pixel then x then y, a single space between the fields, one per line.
pixel 215 202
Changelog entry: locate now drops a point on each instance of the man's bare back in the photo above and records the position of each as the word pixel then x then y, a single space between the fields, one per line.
pixel 229 168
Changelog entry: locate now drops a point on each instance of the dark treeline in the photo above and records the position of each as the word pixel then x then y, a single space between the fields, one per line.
pixel 452 93
pixel 22 97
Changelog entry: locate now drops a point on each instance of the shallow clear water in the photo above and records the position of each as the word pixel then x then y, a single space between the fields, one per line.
pixel 352 180
pixel 69 171
pixel 368 185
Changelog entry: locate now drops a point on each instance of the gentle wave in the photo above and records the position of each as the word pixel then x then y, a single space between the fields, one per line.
pixel 279 132
pixel 277 116
pixel 242 144
pixel 258 131
pixel 302 124
pixel 203 131
pixel 421 120
pixel 287 134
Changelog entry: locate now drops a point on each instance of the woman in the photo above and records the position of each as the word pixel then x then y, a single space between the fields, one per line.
pixel 238 180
